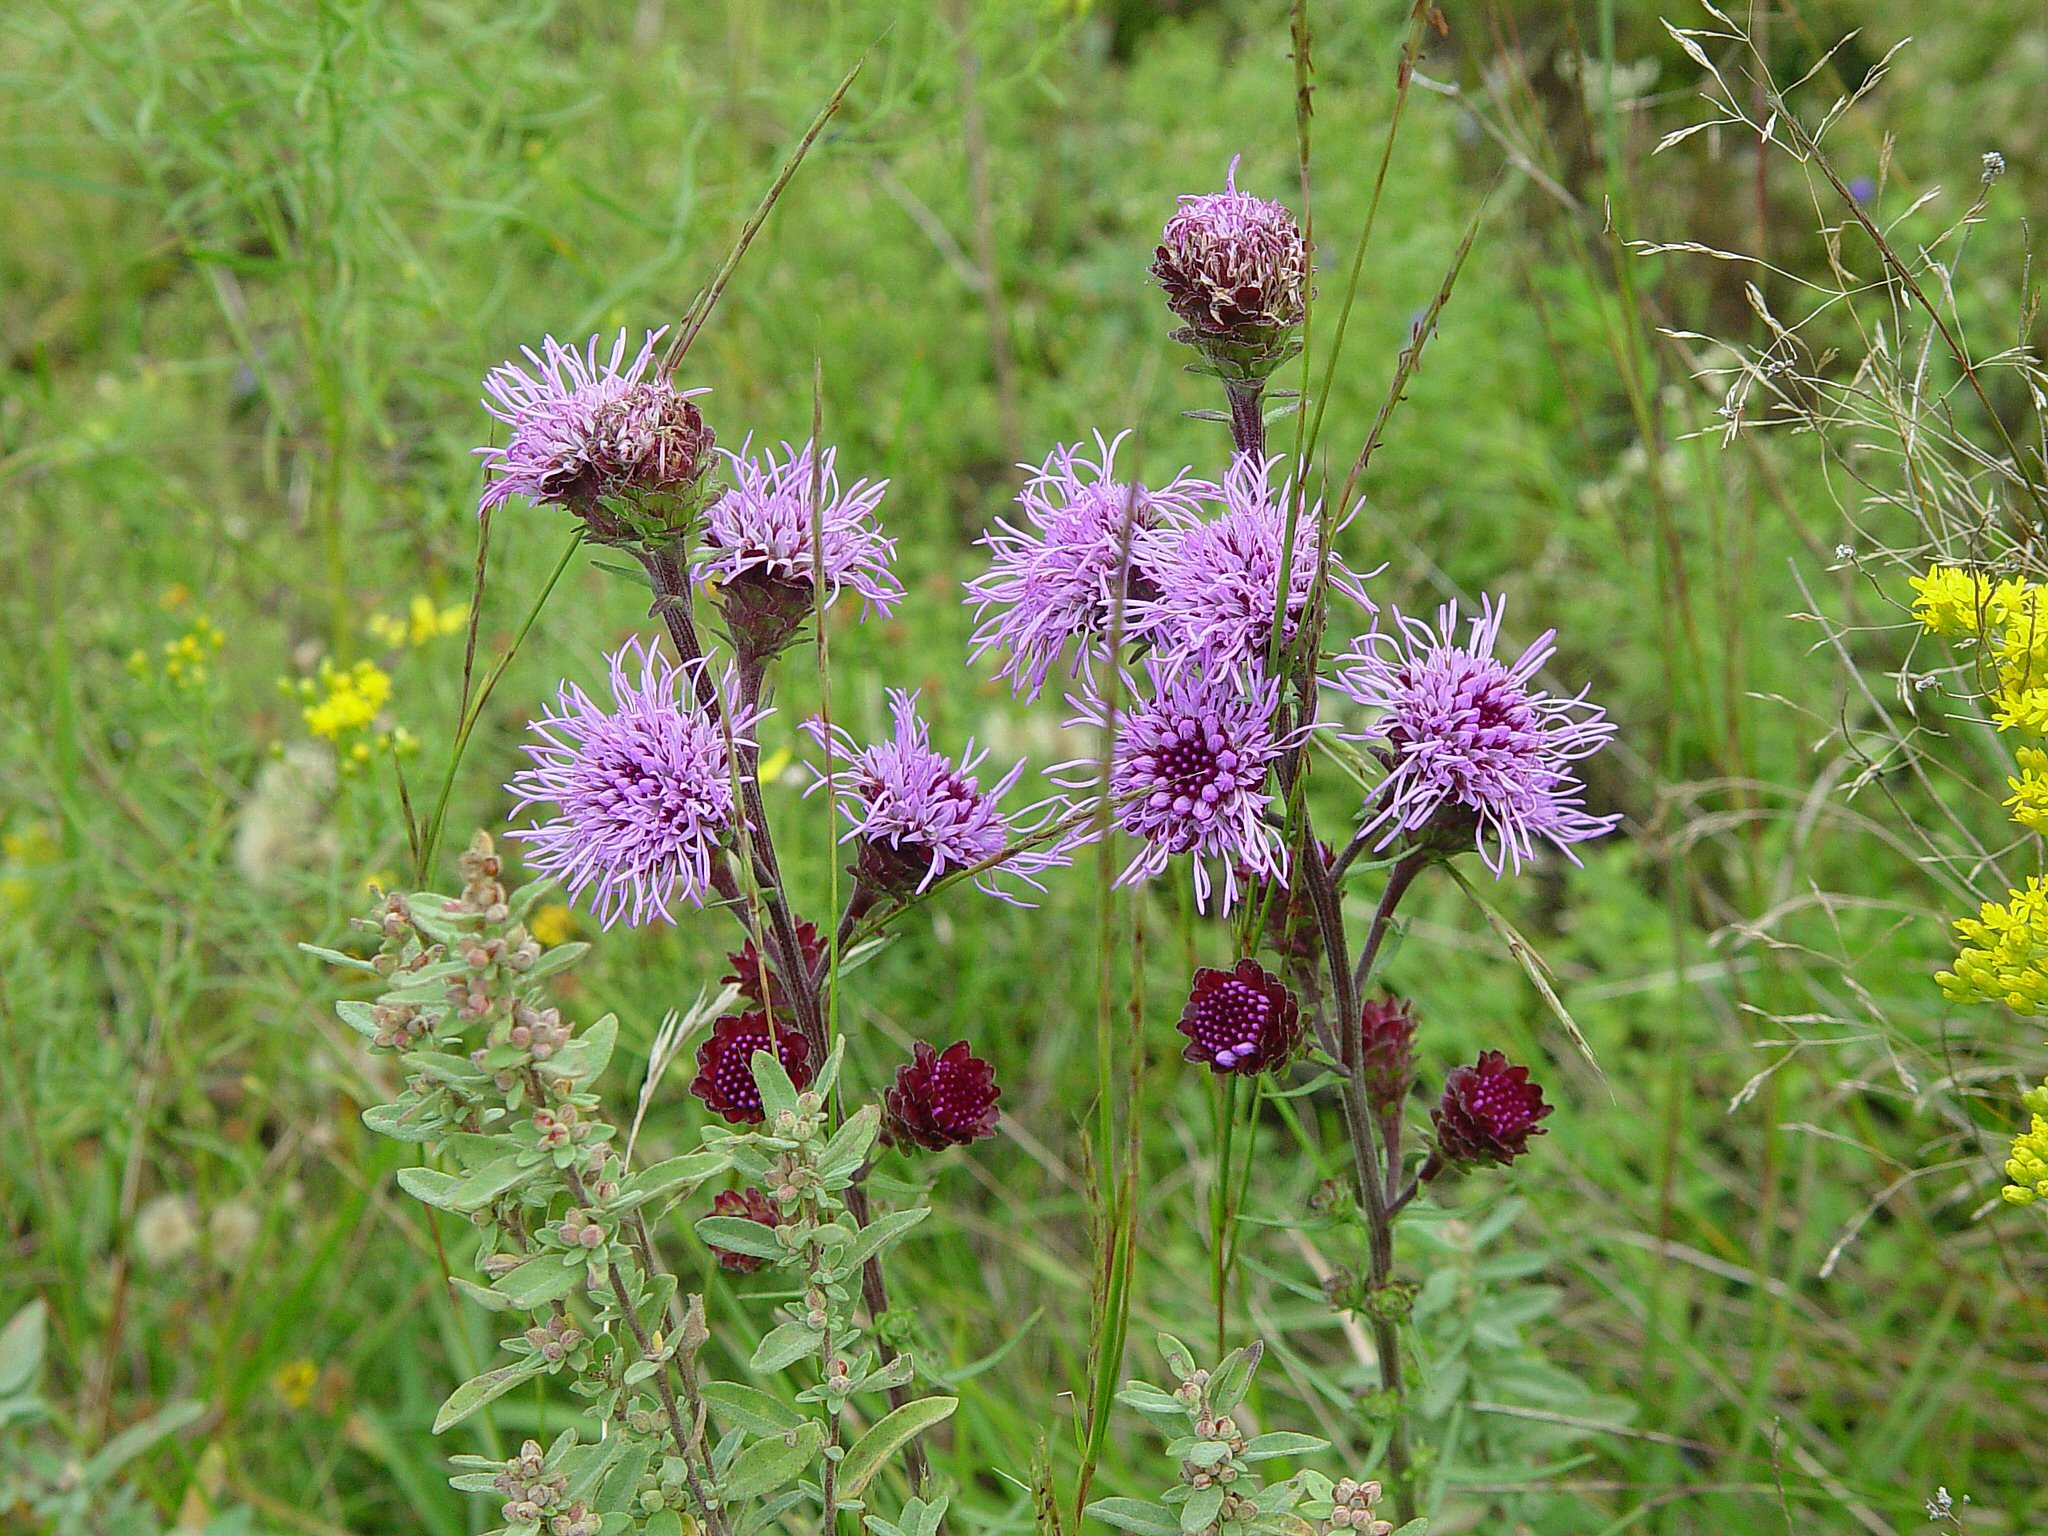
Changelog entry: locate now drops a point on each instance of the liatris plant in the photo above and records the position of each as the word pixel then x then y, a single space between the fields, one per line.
pixel 1190 617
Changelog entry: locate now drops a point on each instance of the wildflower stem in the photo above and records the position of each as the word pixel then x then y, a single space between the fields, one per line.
pixel 1399 878
pixel 1248 422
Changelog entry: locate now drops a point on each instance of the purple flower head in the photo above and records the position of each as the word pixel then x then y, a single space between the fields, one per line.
pixel 1188 773
pixel 642 790
pixel 917 814
pixel 582 428
pixel 1487 1114
pixel 725 1064
pixel 1232 263
pixel 1054 575
pixel 1470 745
pixel 1218 581
pixel 940 1099
pixel 758 548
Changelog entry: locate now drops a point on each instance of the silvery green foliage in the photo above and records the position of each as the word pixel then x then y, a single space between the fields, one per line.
pixel 500 1092
pixel 60 1488
pixel 1220 1490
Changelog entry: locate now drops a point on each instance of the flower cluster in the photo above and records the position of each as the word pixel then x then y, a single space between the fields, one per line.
pixel 940 1099
pixel 2027 1163
pixel 642 788
pixel 1487 1113
pixel 2006 620
pixel 2004 958
pixel 1242 1020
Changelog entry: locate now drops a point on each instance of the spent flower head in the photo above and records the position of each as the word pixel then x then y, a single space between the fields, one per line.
pixel 1083 545
pixel 784 522
pixel 918 815
pixel 1187 772
pixel 582 428
pixel 1235 269
pixel 642 788
pixel 1472 747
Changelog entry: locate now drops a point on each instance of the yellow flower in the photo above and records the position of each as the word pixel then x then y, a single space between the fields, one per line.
pixel 2029 802
pixel 2004 958
pixel 422 622
pixel 2021 706
pixel 293 1382
pixel 345 701
pixel 1954 602
pixel 552 924
pixel 2027 1164
pixel 185 658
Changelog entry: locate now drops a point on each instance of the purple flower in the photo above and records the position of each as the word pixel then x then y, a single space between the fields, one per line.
pixel 757 543
pixel 1232 263
pixel 940 1099
pixel 917 814
pixel 1487 1114
pixel 1386 1050
pixel 1242 1020
pixel 1471 747
pixel 581 428
pixel 725 1064
pixel 1218 581
pixel 1188 771
pixel 643 789
pixel 1054 576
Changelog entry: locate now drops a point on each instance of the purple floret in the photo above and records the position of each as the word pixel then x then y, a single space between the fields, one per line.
pixel 761 529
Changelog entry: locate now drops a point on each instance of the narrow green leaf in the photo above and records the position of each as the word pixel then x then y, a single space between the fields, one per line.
pixel 741 1234
pixel 336 957
pixel 785 1346
pixel 539 1281
pixel 136 1439
pixel 21 1348
pixel 479 1390
pixel 749 1408
pixel 1201 1509
pixel 877 1233
pixel 767 1464
pixel 1138 1515
pixel 1281 1442
pixel 888 1435
pixel 430 1186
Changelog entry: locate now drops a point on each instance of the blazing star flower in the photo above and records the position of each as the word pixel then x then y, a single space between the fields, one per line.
pixel 758 547
pixel 940 1099
pixel 1232 263
pixel 1217 582
pixel 643 788
pixel 1187 773
pixel 1386 1053
pixel 917 814
pixel 1243 1020
pixel 581 428
pixel 1487 1113
pixel 725 1064
pixel 754 1206
pixel 1054 575
pixel 1469 742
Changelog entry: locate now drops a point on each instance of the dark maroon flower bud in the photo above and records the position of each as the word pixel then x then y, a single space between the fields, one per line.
pixel 940 1099
pixel 1488 1112
pixel 1386 1050
pixel 760 985
pixel 753 1205
pixel 725 1064
pixel 1243 1020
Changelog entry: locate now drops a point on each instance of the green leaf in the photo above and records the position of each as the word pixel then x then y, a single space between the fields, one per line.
pixel 1281 1442
pixel 1201 1509
pixel 430 1186
pixel 850 1145
pixel 741 1234
pixel 1415 1527
pixel 21 1348
pixel 751 1409
pixel 1233 1376
pixel 360 1017
pixel 479 1390
pixel 482 1295
pixel 538 1282
pixel 586 1056
pixel 676 1176
pixel 398 1122
pixel 778 1093
pixel 336 957
pixel 1139 1515
pixel 767 1464
pixel 136 1439
pixel 888 1435
pixel 785 1346
pixel 882 1230
pixel 664 1522
pixel 1178 1359
pixel 560 958
pixel 488 1182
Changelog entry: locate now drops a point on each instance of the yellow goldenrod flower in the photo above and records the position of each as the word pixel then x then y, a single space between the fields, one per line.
pixel 2027 1165
pixel 345 701
pixel 2029 802
pixel 552 924
pixel 2019 706
pixel 2004 958
pixel 1958 604
pixel 423 622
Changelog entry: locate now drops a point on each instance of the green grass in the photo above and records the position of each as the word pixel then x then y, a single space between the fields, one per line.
pixel 258 257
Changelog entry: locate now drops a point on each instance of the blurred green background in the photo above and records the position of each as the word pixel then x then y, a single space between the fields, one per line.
pixel 257 257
